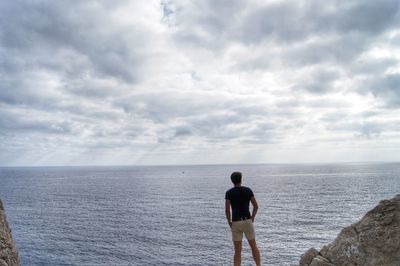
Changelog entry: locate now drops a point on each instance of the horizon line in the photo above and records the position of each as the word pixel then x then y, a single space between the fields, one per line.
pixel 200 164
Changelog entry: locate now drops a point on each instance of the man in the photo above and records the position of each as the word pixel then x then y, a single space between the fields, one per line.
pixel 239 198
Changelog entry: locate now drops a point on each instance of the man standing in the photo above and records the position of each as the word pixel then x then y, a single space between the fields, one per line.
pixel 239 198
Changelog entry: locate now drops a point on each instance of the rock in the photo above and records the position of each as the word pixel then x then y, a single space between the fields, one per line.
pixel 373 241
pixel 320 261
pixel 8 250
pixel 307 257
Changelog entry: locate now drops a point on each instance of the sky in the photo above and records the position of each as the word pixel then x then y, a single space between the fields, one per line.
pixel 199 82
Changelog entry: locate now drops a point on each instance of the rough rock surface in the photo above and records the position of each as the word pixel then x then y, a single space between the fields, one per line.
pixel 8 250
pixel 373 241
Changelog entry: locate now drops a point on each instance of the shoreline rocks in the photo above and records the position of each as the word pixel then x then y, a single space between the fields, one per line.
pixel 373 241
pixel 8 249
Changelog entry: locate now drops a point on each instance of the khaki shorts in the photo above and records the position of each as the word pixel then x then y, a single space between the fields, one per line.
pixel 240 227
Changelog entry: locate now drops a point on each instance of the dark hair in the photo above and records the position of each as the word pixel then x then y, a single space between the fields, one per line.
pixel 236 177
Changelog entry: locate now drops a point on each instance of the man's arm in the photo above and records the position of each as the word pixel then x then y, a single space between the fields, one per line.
pixel 255 208
pixel 228 212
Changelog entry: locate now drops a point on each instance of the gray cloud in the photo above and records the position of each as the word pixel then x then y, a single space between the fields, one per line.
pixel 386 87
pixel 360 129
pixel 71 41
pixel 367 67
pixel 12 123
pixel 293 21
pixel 287 21
pixel 320 81
pixel 150 80
pixel 294 34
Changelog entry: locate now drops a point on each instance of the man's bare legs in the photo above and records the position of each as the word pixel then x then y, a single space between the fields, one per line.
pixel 255 252
pixel 238 253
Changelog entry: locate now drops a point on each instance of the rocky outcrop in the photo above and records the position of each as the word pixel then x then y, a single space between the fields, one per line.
pixel 8 250
pixel 373 241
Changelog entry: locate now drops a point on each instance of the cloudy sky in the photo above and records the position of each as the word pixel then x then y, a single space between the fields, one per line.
pixel 196 82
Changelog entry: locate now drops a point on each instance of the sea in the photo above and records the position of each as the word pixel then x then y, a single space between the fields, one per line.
pixel 174 215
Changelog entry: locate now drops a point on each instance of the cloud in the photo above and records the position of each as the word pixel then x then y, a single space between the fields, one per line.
pixel 282 21
pixel 125 82
pixel 386 86
pixel 320 80
pixel 11 122
pixel 80 29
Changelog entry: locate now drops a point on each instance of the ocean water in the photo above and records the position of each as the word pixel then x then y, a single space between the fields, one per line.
pixel 174 215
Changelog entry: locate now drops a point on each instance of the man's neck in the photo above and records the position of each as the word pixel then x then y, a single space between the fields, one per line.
pixel 238 185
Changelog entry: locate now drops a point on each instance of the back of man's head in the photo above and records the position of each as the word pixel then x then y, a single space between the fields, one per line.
pixel 236 178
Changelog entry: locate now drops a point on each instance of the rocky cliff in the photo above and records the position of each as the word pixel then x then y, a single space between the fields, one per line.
pixel 373 241
pixel 8 249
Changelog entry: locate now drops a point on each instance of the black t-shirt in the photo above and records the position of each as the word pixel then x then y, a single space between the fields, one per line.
pixel 240 200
